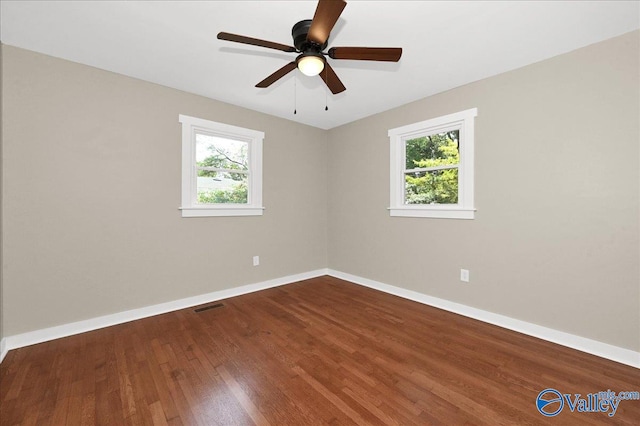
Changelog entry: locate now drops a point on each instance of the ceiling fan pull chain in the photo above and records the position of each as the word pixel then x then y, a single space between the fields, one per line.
pixel 326 107
pixel 295 94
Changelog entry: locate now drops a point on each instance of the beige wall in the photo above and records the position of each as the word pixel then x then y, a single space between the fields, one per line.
pixel 555 241
pixel 1 196
pixel 92 189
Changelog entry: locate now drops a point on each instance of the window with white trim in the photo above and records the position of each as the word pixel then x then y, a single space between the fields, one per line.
pixel 221 169
pixel 432 167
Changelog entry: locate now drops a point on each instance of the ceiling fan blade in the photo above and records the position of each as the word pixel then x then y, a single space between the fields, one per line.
pixel 277 75
pixel 255 42
pixel 331 79
pixel 326 16
pixel 390 54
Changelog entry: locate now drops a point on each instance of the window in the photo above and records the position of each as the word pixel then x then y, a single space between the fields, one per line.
pixel 432 167
pixel 221 169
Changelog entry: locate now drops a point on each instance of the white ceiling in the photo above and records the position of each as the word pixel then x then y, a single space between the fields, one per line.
pixel 445 44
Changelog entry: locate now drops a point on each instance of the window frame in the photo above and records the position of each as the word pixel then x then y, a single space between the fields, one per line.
pixel 464 122
pixel 191 126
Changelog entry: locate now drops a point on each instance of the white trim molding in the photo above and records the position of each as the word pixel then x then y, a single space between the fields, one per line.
pixel 464 123
pixel 51 333
pixel 438 213
pixel 191 128
pixel 593 347
pixel 3 349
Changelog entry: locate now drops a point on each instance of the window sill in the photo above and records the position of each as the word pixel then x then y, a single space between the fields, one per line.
pixel 221 211
pixel 438 213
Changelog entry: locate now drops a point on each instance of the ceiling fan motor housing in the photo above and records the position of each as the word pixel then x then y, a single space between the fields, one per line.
pixel 299 33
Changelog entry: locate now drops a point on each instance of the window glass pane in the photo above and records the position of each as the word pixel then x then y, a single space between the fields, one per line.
pixel 212 151
pixel 430 151
pixel 222 188
pixel 433 187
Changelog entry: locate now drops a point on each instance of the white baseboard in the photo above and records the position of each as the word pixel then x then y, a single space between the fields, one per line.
pixel 604 350
pixel 3 349
pixel 51 333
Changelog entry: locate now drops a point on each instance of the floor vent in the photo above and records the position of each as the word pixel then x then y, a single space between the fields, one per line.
pixel 206 308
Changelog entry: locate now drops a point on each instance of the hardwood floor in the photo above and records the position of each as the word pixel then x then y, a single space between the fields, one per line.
pixel 321 351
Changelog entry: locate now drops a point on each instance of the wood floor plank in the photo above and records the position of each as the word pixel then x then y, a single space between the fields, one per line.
pixel 245 401
pixel 320 351
pixel 158 416
pixel 178 399
pixel 329 395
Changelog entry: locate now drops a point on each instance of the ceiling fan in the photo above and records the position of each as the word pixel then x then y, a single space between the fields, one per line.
pixel 310 38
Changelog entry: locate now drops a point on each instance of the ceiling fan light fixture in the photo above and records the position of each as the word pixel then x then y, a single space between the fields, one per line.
pixel 311 64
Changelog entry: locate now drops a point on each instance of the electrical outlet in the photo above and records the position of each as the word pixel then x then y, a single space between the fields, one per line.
pixel 256 260
pixel 464 275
